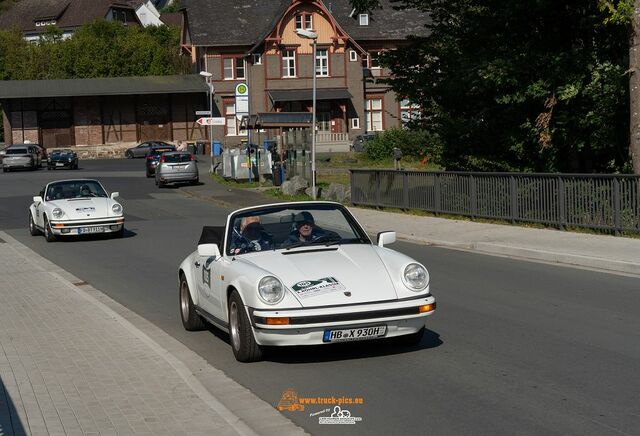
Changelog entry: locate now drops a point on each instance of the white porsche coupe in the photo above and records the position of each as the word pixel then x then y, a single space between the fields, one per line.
pixel 301 273
pixel 75 207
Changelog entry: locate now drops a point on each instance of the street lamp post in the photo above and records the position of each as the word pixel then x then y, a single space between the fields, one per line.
pixel 313 36
pixel 209 79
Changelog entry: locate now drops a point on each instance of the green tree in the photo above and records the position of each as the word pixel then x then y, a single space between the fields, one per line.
pixel 522 85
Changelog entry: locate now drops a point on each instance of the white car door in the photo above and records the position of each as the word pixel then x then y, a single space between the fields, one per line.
pixel 209 285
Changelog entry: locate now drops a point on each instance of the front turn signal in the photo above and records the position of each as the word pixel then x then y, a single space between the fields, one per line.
pixel 277 321
pixel 427 308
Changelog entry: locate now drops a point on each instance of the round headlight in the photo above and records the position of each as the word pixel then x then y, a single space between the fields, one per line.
pixel 416 277
pixel 270 290
pixel 116 208
pixel 57 213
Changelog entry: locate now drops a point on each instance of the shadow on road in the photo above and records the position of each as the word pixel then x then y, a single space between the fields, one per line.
pixel 341 351
pixel 95 237
pixel 10 423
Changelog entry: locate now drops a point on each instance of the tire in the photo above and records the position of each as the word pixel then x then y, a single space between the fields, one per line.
pixel 149 175
pixel 410 340
pixel 243 343
pixel 49 167
pixel 32 226
pixel 48 234
pixel 161 184
pixel 190 319
pixel 75 166
pixel 128 155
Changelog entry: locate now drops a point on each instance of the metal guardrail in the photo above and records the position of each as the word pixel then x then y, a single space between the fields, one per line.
pixel 605 202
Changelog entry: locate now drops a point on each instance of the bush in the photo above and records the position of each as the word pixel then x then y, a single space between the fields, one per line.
pixel 415 143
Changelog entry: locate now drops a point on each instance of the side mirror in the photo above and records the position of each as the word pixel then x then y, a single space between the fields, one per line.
pixel 37 199
pixel 115 195
pixel 385 238
pixel 208 250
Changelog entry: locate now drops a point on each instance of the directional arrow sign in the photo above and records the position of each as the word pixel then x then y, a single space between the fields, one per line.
pixel 211 121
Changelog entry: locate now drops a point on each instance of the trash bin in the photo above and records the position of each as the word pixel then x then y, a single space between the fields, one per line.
pixel 276 171
pixel 216 148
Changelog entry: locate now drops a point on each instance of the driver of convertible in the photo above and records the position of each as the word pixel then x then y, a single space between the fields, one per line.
pixel 251 237
pixel 85 191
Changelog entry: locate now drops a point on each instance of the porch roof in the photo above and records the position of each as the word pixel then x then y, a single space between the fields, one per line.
pixel 307 94
pixel 178 84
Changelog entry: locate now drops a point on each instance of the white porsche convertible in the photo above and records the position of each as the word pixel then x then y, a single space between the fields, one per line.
pixel 75 207
pixel 301 274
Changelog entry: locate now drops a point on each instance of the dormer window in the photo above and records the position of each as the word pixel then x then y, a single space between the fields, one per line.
pixel 45 23
pixel 364 19
pixel 304 22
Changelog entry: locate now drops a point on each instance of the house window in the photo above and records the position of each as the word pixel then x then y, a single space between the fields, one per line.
pixel 408 111
pixel 374 60
pixel 373 114
pixel 289 63
pixel 304 21
pixel 257 59
pixel 353 56
pixel 355 123
pixel 233 68
pixel 231 120
pixel 322 62
pixel 364 19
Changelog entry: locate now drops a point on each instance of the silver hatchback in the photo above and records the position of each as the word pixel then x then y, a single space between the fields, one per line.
pixel 20 156
pixel 177 167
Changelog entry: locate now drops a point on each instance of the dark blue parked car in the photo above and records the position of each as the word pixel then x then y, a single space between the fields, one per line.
pixel 62 159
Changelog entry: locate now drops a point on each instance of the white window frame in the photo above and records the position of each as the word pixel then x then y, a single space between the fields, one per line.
pixel 355 123
pixel 236 65
pixel 411 109
pixel 231 124
pixel 372 112
pixel 226 69
pixel 353 56
pixel 310 25
pixel 363 19
pixel 257 59
pixel 370 60
pixel 322 70
pixel 289 63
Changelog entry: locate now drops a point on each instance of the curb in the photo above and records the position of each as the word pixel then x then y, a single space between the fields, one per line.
pixel 185 362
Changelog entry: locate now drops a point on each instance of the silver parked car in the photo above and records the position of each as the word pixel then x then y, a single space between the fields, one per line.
pixel 21 156
pixel 175 167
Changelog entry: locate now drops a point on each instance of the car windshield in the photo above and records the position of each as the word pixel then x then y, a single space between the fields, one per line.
pixel 74 189
pixel 286 227
pixel 177 157
pixel 16 151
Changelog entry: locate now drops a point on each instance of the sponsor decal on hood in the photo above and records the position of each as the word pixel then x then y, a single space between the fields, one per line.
pixel 312 288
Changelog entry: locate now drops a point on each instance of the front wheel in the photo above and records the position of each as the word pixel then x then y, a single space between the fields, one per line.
pixel 190 319
pixel 48 233
pixel 244 345
pixel 32 226
pixel 128 155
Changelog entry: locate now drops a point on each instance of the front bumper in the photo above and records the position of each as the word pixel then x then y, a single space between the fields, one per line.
pixel 60 164
pixel 307 326
pixel 82 227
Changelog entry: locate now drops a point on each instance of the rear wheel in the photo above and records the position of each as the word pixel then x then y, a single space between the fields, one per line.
pixel 244 345
pixel 48 233
pixel 32 226
pixel 190 319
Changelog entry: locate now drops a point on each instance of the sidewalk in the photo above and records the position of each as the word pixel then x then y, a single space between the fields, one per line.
pixel 601 252
pixel 75 362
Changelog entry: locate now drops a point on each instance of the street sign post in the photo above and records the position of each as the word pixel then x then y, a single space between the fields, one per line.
pixel 242 100
pixel 203 113
pixel 211 121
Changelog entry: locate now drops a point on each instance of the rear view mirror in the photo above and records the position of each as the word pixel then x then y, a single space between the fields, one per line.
pixel 37 199
pixel 208 250
pixel 385 238
pixel 115 195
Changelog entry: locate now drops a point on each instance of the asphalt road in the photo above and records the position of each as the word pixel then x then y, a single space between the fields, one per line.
pixel 515 347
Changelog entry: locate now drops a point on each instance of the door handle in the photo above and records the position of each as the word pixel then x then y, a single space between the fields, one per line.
pixel 197 264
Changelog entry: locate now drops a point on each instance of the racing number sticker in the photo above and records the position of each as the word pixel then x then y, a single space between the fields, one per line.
pixel 311 288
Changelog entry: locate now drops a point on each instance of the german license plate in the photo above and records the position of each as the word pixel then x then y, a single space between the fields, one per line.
pixel 355 334
pixel 59 164
pixel 98 229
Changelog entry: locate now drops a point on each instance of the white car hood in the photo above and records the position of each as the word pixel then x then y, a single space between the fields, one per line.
pixel 354 269
pixel 83 208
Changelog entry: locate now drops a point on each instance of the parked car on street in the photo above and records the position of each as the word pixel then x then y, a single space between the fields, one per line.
pixel 153 157
pixel 177 167
pixel 360 141
pixel 141 150
pixel 21 156
pixel 62 159
pixel 303 273
pixel 75 207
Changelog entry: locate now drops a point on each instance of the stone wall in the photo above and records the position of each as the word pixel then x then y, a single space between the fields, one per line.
pixel 106 151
